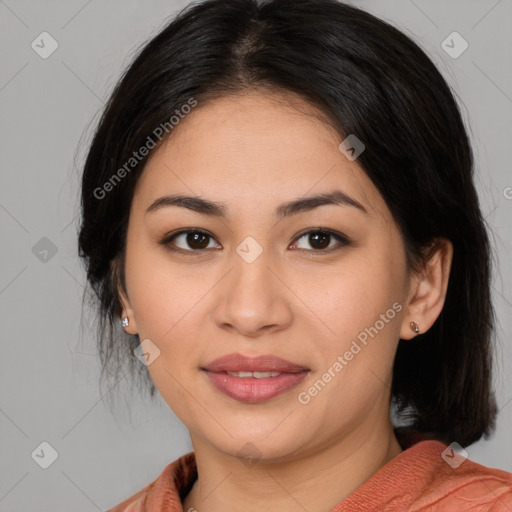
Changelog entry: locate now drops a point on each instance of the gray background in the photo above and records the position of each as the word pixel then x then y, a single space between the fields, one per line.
pixel 48 107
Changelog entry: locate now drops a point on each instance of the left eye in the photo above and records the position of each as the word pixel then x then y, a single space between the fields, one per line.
pixel 320 240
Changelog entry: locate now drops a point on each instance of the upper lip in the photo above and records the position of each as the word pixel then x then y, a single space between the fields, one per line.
pixel 264 363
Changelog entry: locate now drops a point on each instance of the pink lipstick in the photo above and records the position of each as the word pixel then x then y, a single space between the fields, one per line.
pixel 253 379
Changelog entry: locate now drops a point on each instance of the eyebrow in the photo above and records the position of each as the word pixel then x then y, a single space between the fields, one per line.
pixel 215 209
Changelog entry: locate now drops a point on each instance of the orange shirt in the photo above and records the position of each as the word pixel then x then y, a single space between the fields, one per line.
pixel 416 480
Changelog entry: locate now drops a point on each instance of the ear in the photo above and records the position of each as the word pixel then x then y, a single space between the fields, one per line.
pixel 127 312
pixel 126 308
pixel 427 291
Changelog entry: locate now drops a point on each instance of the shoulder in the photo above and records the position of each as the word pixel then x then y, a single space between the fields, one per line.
pixel 453 482
pixel 428 476
pixel 166 492
pixel 134 503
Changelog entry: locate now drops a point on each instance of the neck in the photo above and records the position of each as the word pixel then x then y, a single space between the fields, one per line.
pixel 316 481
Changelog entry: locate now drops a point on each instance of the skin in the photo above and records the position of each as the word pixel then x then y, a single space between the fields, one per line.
pixel 253 152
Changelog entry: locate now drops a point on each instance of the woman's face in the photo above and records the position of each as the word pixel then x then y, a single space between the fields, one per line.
pixel 322 285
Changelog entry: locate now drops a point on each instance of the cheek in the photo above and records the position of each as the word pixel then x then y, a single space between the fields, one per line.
pixel 352 296
pixel 160 295
pixel 360 303
pixel 168 305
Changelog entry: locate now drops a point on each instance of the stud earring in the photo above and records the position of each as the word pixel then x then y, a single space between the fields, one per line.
pixel 414 327
pixel 125 322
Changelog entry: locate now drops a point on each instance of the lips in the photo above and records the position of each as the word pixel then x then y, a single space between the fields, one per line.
pixel 253 379
pixel 240 363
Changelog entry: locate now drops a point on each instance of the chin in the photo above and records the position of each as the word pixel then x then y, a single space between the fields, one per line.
pixel 254 446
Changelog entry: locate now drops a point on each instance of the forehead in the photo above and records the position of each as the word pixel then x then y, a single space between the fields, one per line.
pixel 254 146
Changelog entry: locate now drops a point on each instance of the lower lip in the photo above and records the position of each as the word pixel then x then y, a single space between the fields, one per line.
pixel 254 390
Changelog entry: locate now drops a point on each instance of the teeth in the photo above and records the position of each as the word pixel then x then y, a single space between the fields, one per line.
pixel 254 375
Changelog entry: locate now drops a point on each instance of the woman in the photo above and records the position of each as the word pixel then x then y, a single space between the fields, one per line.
pixel 280 223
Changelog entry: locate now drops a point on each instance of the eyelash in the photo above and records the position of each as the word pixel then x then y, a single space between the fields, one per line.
pixel 343 241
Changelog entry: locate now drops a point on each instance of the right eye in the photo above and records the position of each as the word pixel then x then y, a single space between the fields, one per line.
pixel 188 241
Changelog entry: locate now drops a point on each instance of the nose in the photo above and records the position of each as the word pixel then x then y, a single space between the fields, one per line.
pixel 251 300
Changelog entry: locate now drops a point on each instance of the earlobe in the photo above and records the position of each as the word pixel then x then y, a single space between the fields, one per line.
pixel 428 291
pixel 127 321
pixel 127 318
